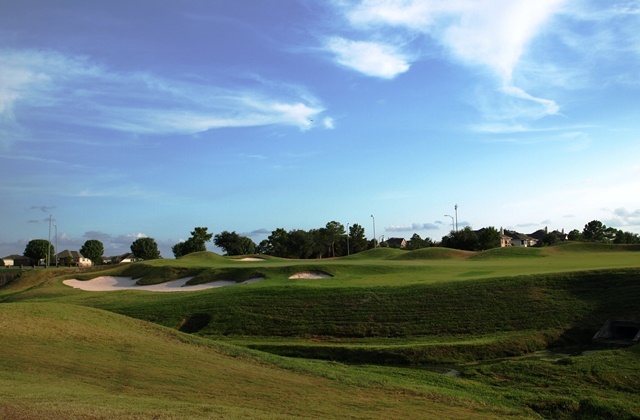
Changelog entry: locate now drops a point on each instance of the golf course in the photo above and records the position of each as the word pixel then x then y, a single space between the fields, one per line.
pixel 385 333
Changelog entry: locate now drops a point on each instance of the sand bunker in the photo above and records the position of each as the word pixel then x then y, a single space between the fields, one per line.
pixel 250 259
pixel 311 275
pixel 108 283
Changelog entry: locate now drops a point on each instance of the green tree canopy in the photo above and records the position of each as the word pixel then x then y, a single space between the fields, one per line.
pixel 94 250
pixel 145 248
pixel 594 231
pixel 488 238
pixel 575 235
pixel 196 243
pixel 233 244
pixel 36 249
pixel 465 239
pixel 357 240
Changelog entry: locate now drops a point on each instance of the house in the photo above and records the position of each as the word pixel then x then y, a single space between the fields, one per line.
pixel 543 234
pixel 397 242
pixel 124 258
pixel 73 258
pixel 518 239
pixel 504 239
pixel 15 260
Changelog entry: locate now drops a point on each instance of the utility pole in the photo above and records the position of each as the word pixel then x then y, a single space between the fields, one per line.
pixel 55 253
pixel 48 244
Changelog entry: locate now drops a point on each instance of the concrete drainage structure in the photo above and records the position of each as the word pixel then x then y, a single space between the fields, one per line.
pixel 619 331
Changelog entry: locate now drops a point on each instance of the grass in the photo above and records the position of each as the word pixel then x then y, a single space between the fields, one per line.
pixel 355 343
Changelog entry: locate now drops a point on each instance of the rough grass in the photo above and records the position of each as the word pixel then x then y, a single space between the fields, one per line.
pixel 65 361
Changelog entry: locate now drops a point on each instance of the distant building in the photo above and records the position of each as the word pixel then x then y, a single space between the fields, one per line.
pixel 516 239
pixel 73 258
pixel 124 258
pixel 397 242
pixel 15 260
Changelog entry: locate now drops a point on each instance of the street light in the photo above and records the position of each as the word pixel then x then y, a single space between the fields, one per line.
pixel 375 243
pixel 452 224
pixel 347 239
pixel 455 207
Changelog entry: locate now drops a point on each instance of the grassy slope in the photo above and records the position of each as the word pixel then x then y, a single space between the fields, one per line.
pixel 69 361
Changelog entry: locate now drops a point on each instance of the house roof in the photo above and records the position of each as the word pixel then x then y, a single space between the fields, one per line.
pixel 14 257
pixel 516 235
pixel 66 253
pixel 398 241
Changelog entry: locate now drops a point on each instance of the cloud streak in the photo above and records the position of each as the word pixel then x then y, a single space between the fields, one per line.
pixel 75 91
pixel 373 59
pixel 490 34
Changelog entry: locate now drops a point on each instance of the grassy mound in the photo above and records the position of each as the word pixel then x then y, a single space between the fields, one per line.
pixel 434 253
pixel 377 254
pixel 510 252
pixel 582 247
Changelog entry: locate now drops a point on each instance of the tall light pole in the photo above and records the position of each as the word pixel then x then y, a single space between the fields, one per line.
pixel 375 243
pixel 453 226
pixel 456 209
pixel 56 241
pixel 48 244
pixel 347 239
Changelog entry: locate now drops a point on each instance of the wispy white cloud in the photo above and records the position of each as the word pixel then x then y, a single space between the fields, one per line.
pixel 73 90
pixel 328 123
pixel 491 34
pixel 371 58
pixel 412 227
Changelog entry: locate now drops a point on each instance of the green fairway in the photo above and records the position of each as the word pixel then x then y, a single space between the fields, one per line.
pixel 360 342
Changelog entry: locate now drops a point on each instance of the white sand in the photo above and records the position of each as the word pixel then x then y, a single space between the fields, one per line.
pixel 311 275
pixel 250 259
pixel 108 283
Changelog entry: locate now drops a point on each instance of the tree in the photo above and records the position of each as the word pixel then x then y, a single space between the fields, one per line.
pixel 93 249
pixel 300 244
pixel 415 242
pixel 465 239
pixel 145 248
pixel 488 238
pixel 279 240
pixel 196 243
pixel 264 247
pixel 233 244
pixel 357 240
pixel 247 246
pixel 575 235
pixel 594 231
pixel 36 249
pixel 333 231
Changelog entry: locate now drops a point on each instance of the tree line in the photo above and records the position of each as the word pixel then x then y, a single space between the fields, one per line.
pixel 332 240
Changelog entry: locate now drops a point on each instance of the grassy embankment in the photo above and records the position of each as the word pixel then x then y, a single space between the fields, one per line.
pixel 394 307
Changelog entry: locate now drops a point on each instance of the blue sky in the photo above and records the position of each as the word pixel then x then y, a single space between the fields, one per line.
pixel 127 119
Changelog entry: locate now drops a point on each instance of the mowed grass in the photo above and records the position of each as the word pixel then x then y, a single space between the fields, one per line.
pixel 380 308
